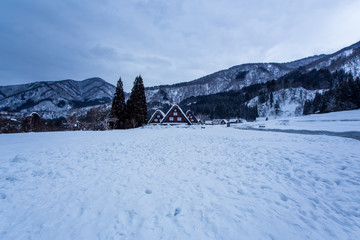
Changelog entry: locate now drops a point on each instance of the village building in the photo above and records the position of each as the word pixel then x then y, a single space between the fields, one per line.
pixel 261 119
pixel 209 122
pixel 219 121
pixel 234 120
pixel 224 121
pixel 191 117
pixel 175 116
pixel 157 117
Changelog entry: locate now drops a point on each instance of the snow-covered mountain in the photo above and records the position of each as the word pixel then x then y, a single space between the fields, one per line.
pixel 291 101
pixel 347 59
pixel 243 75
pixel 233 78
pixel 56 96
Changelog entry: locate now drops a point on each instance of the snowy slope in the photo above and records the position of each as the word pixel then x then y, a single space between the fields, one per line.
pixel 221 81
pixel 178 183
pixel 291 102
pixel 347 59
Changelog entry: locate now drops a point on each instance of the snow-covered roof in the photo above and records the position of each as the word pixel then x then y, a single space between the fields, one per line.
pixel 162 113
pixel 219 121
pixel 156 112
pixel 260 119
pixel 191 116
pixel 181 111
pixel 34 113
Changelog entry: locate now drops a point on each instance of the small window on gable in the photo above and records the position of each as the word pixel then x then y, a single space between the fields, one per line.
pixel 155 120
pixel 179 119
pixel 171 119
pixel 175 113
pixel 158 116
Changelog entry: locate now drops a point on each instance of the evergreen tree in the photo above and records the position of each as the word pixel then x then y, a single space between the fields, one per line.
pixel 271 99
pixel 277 108
pixel 357 92
pixel 344 96
pixel 117 112
pixel 136 105
pixel 308 108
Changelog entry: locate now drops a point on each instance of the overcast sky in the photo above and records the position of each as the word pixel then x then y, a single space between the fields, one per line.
pixel 166 41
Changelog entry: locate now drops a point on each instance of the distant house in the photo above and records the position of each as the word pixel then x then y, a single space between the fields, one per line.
pixel 261 119
pixel 223 121
pixel 191 117
pixel 220 121
pixel 241 120
pixel 234 120
pixel 208 122
pixel 157 117
pixel 175 116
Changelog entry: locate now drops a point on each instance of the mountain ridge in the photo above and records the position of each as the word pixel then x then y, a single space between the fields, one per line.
pixel 239 76
pixel 225 80
pixel 55 96
pixel 61 96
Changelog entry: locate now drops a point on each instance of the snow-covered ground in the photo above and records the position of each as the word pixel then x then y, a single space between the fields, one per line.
pixel 179 183
pixel 333 122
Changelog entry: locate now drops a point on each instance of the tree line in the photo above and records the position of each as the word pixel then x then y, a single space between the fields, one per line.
pixel 95 119
pixel 345 95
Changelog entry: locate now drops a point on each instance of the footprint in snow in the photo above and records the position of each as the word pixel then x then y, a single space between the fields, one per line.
pixel 148 191
pixel 3 195
pixel 10 179
pixel 18 159
pixel 177 211
pixel 240 192
pixel 283 197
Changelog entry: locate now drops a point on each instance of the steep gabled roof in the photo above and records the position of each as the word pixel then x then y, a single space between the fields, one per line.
pixel 169 114
pixel 191 116
pixel 157 112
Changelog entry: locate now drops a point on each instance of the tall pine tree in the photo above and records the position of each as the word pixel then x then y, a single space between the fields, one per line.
pixel 117 113
pixel 271 99
pixel 136 105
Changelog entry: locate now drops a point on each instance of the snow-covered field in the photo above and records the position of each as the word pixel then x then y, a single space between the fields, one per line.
pixel 179 183
pixel 334 122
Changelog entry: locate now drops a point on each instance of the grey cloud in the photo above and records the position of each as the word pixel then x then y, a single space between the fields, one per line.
pixel 165 41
